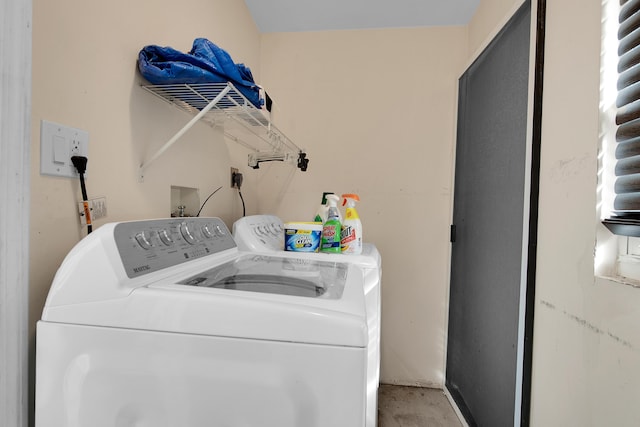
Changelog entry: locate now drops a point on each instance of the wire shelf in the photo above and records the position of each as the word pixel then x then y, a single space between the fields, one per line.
pixel 222 105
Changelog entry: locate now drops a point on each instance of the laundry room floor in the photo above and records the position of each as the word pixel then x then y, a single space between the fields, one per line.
pixel 400 406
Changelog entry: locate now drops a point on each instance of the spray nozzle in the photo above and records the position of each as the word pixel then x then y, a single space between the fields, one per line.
pixel 350 198
pixel 324 197
pixel 332 200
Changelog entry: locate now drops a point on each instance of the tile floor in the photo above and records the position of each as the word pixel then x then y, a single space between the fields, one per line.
pixel 400 406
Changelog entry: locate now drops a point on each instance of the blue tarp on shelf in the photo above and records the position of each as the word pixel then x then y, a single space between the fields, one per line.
pixel 205 63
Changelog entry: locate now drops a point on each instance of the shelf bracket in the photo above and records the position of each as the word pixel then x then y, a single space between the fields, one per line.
pixel 182 131
pixel 256 158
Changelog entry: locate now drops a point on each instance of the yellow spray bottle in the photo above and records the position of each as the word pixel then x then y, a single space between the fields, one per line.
pixel 351 234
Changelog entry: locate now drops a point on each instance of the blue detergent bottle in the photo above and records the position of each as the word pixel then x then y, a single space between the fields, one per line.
pixel 331 227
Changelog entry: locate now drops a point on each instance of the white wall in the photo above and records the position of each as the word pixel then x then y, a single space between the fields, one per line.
pixel 85 76
pixel 376 111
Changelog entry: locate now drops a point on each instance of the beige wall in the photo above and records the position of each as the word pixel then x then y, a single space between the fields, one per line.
pixel 488 19
pixel 84 76
pixel 380 123
pixel 376 111
pixel 586 362
pixel 587 340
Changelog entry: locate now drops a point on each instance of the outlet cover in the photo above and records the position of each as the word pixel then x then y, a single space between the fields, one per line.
pixel 97 209
pixel 58 143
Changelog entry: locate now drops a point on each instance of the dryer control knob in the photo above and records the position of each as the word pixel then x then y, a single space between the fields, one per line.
pixel 144 239
pixel 187 233
pixel 207 232
pixel 165 237
pixel 220 231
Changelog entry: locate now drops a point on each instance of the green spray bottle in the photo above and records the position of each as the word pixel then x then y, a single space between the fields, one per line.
pixel 331 227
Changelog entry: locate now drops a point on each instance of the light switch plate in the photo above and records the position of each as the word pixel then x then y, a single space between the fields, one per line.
pixel 57 144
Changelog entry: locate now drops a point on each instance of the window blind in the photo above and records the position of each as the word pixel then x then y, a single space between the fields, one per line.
pixel 626 204
pixel 627 170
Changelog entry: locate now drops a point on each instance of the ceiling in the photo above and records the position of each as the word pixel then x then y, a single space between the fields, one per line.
pixel 323 15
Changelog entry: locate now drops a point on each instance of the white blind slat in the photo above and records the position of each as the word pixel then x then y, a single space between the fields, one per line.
pixel 627 168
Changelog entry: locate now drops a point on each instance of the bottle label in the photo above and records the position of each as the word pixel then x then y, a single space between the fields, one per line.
pixel 347 235
pixel 350 241
pixel 351 213
pixel 302 240
pixel 330 238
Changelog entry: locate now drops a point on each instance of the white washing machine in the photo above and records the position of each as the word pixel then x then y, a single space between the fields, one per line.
pixel 265 234
pixel 165 323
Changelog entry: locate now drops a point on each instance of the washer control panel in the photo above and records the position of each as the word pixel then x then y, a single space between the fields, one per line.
pixel 259 233
pixel 152 245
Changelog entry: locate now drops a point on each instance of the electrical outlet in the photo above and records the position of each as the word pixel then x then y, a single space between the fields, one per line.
pixel 58 143
pixel 233 172
pixel 75 147
pixel 97 209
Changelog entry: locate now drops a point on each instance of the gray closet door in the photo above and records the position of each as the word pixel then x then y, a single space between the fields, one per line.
pixel 489 199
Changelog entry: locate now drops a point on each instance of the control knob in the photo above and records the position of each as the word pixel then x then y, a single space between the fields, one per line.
pixel 207 232
pixel 220 231
pixel 144 239
pixel 165 237
pixel 186 232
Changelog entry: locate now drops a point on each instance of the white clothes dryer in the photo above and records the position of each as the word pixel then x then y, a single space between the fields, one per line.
pixel 165 323
pixel 265 234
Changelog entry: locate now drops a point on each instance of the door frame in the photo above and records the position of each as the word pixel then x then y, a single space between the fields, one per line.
pixel 15 146
pixel 522 403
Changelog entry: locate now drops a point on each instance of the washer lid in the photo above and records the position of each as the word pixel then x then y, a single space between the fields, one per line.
pixel 275 275
pixel 252 296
